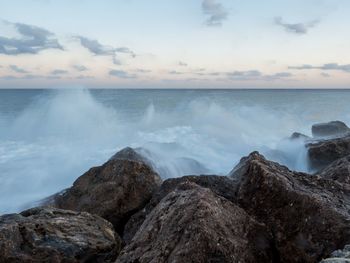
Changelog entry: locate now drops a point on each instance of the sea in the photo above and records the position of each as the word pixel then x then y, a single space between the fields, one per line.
pixel 49 137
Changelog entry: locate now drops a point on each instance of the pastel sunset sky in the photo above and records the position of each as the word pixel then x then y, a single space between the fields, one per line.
pixel 175 43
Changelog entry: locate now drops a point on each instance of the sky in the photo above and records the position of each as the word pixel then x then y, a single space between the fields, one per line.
pixel 175 43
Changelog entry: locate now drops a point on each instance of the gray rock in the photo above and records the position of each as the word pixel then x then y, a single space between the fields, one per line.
pixel 55 235
pixel 333 128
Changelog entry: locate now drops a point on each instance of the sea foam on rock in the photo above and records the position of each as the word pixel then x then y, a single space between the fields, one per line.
pixel 260 212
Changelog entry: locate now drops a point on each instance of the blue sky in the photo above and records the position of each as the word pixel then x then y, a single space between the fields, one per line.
pixel 175 43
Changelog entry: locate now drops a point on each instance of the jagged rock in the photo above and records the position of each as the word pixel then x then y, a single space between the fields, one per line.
pixel 114 191
pixel 333 128
pixel 323 153
pixel 339 256
pixel 339 170
pixel 307 215
pixel 192 224
pixel 220 185
pixel 54 235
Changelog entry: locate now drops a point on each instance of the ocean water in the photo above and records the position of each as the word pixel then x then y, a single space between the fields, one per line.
pixel 50 137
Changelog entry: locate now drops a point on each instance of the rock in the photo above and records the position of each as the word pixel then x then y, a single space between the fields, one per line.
pixel 114 191
pixel 166 166
pixel 323 153
pixel 339 170
pixel 339 256
pixel 192 224
pixel 299 136
pixel 220 185
pixel 54 235
pixel 333 128
pixel 308 216
pixel 131 154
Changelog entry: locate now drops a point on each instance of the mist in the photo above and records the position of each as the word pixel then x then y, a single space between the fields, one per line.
pixel 49 143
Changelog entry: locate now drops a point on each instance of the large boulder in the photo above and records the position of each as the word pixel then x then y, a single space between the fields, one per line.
pixel 339 170
pixel 323 153
pixel 329 129
pixel 220 185
pixel 54 235
pixel 114 191
pixel 308 216
pixel 192 224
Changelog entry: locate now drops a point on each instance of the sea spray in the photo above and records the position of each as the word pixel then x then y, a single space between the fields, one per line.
pixel 62 133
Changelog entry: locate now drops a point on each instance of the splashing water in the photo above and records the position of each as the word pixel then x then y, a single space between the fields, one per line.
pixel 49 138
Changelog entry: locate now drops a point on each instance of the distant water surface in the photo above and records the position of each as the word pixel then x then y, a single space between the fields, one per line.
pixel 50 137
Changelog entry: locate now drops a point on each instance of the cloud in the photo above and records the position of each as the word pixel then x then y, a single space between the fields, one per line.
pixel 174 72
pixel 99 49
pixel 18 69
pixel 121 74
pixel 183 64
pixel 297 28
pixel 95 47
pixel 257 75
pixel 143 70
pixel 217 12
pixel 59 72
pixel 32 40
pixel 328 66
pixel 80 67
pixel 126 51
pixel 325 75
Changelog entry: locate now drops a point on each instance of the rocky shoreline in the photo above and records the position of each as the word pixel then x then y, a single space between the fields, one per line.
pixel 261 211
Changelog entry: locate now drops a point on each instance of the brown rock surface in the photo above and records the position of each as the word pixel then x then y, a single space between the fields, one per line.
pixel 114 191
pixel 220 185
pixel 192 224
pixel 307 215
pixel 323 153
pixel 55 235
pixel 339 170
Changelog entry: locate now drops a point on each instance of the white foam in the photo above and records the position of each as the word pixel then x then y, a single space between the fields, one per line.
pixel 56 139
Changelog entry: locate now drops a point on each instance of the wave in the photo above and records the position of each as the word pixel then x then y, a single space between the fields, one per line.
pixel 58 137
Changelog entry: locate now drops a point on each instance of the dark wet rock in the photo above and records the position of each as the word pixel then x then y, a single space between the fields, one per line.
pixel 323 153
pixel 339 256
pixel 55 235
pixel 114 191
pixel 220 185
pixel 308 216
pixel 329 129
pixel 192 224
pixel 339 170
pixel 299 136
